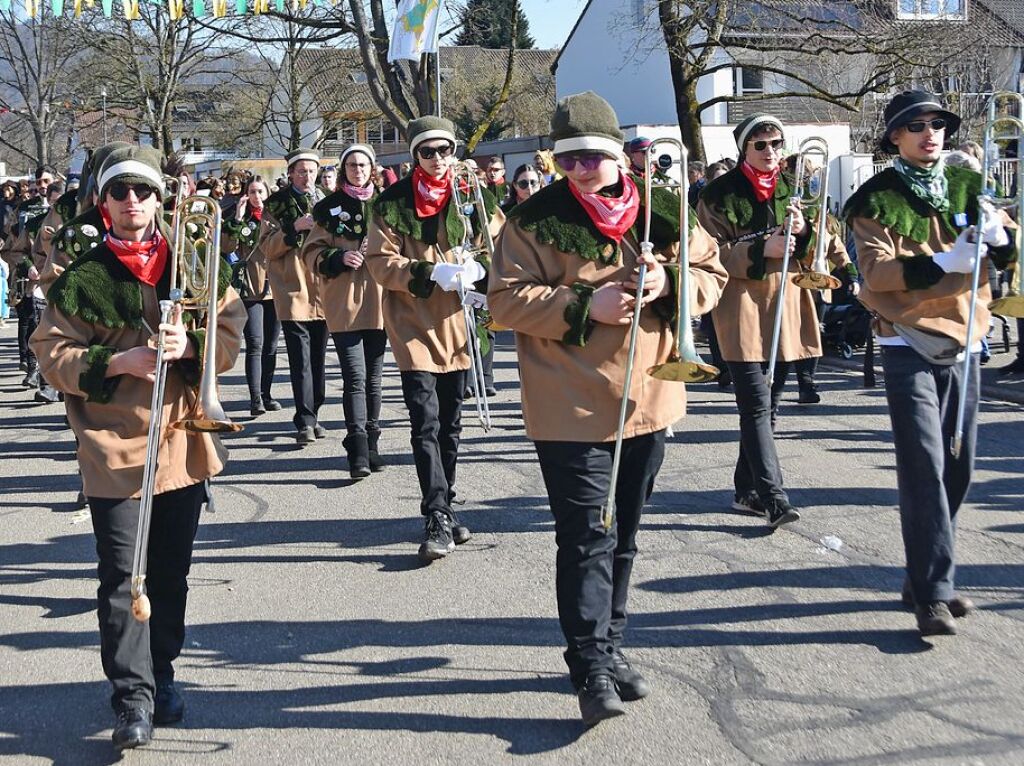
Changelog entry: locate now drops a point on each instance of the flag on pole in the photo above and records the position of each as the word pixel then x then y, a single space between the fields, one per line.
pixel 415 31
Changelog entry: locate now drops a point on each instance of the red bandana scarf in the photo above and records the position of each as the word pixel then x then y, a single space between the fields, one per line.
pixel 762 181
pixel 430 194
pixel 611 215
pixel 256 213
pixel 145 260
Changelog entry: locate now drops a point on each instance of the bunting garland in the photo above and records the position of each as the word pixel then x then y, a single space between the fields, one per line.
pixel 175 9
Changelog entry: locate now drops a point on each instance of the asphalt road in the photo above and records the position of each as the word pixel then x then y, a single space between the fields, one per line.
pixel 316 637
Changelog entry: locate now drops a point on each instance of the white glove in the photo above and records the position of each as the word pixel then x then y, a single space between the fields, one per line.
pixel 472 272
pixel 993 233
pixel 446 275
pixel 960 258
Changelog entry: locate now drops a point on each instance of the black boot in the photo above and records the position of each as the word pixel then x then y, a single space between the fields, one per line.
pixel 376 461
pixel 256 408
pixel 599 699
pixel 358 450
pixel 134 728
pixel 168 706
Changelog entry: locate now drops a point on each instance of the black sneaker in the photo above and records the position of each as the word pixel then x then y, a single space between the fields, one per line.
pixel 460 532
pixel 437 537
pixel 47 395
pixel 271 405
pixel 134 728
pixel 809 395
pixel 256 408
pixel 599 699
pixel 31 380
pixel 632 685
pixel 305 436
pixel 935 619
pixel 959 606
pixel 748 503
pixel 168 706
pixel 779 512
pixel 319 431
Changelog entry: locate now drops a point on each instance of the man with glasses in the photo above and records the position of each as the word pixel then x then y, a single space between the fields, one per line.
pixel 916 227
pixel 496 178
pixel 564 278
pixel 94 345
pixel 746 211
pixel 411 252
pixel 287 220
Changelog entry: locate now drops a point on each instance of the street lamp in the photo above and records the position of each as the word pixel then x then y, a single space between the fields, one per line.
pixel 103 95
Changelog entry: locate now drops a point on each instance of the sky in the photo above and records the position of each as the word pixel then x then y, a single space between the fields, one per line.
pixel 550 20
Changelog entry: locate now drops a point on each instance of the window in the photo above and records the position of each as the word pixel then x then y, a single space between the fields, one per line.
pixel 380 131
pixel 749 81
pixel 348 132
pixel 932 9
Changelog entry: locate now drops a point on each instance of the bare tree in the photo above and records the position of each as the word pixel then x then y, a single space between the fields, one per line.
pixel 37 96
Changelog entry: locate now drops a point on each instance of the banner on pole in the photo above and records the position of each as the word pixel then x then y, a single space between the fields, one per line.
pixel 415 31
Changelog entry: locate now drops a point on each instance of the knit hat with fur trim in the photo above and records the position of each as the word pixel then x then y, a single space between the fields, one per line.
pixel 585 122
pixel 428 128
pixel 302 154
pixel 361 149
pixel 132 165
pixel 751 125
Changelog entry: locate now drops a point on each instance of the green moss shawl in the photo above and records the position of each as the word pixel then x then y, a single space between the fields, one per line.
pixel 287 207
pixel 733 196
pixel 343 215
pixel 556 218
pixel 886 199
pixel 397 208
pixel 246 233
pixel 80 234
pixel 67 205
pixel 99 289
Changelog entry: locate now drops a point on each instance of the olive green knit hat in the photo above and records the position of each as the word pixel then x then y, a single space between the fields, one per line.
pixel 427 128
pixel 132 165
pixel 585 122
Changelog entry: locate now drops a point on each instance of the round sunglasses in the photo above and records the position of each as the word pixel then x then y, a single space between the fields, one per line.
pixel 776 144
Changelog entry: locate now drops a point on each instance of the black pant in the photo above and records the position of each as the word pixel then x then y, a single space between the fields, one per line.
pixel 805 369
pixel 361 354
pixel 434 401
pixel 707 324
pixel 488 362
pixel 137 654
pixel 923 400
pixel 593 566
pixel 262 331
pixel 757 467
pixel 30 312
pixel 307 352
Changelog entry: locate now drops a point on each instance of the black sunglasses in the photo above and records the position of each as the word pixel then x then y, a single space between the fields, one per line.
pixel 119 191
pixel 917 126
pixel 524 185
pixel 428 152
pixel 775 143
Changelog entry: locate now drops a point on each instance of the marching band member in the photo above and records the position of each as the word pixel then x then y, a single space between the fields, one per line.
pixel 262 327
pixel 93 345
pixel 564 278
pixel 352 302
pixel 287 221
pixel 913 225
pixel 745 210
pixel 411 254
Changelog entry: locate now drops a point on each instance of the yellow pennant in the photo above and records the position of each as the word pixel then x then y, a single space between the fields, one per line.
pixel 78 8
pixel 220 8
pixel 175 9
pixel 131 10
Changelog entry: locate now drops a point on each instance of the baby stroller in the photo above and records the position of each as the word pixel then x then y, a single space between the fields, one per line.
pixel 845 323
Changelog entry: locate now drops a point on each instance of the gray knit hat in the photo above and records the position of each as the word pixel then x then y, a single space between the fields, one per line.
pixel 132 165
pixel 585 122
pixel 362 149
pixel 91 172
pixel 428 128
pixel 752 124
pixel 302 154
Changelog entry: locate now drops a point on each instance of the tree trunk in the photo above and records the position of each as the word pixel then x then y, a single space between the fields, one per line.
pixel 687 106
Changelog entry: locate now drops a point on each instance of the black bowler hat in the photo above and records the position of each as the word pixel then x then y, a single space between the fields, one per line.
pixel 909 105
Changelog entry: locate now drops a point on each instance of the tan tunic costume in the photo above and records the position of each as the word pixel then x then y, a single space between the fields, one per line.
pixel 573 369
pixel 242 237
pixel 96 309
pixel 352 300
pixel 745 316
pixel 295 288
pixel 424 323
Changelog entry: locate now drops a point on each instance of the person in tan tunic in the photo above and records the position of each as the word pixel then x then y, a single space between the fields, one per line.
pixel 745 210
pixel 913 224
pixel 411 253
pixel 287 221
pixel 352 301
pixel 564 279
pixel 92 344
pixel 262 327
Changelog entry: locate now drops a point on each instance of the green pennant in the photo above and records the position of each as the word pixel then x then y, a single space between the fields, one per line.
pixel 108 8
pixel 58 7
pixel 241 6
pixel 5 5
pixel 198 8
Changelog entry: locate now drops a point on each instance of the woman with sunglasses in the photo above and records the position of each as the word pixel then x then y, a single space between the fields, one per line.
pixel 411 254
pixel 94 345
pixel 526 182
pixel 746 211
pixel 352 303
pixel 262 329
pixel 564 278
pixel 915 227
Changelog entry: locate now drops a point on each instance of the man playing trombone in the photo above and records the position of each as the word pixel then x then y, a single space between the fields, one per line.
pixel 919 239
pixel 746 210
pixel 414 253
pixel 93 345
pixel 564 277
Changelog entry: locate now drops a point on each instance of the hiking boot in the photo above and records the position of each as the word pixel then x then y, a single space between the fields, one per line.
pixel 134 728
pixel 934 619
pixel 599 699
pixel 437 537
pixel 168 706
pixel 959 606
pixel 748 503
pixel 632 685
pixel 779 512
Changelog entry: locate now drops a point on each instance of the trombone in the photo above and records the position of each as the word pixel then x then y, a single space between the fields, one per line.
pixel 195 269
pixel 467 196
pixel 998 127
pixel 684 364
pixel 809 147
pixel 1012 304
pixel 818 277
